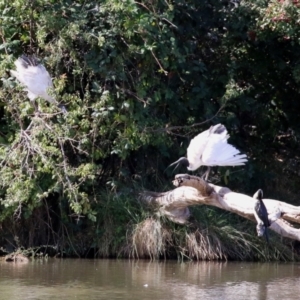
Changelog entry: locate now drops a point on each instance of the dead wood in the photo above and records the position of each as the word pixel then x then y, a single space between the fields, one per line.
pixel 191 190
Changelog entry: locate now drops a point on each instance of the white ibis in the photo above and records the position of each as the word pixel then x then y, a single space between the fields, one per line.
pixel 261 215
pixel 210 148
pixel 35 79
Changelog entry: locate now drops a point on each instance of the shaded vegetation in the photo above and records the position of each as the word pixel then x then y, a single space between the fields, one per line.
pixel 155 239
pixel 139 80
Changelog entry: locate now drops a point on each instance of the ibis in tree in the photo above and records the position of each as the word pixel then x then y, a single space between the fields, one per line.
pixel 261 215
pixel 35 79
pixel 210 148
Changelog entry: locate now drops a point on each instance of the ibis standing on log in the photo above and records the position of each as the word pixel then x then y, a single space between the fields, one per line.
pixel 261 215
pixel 210 148
pixel 35 79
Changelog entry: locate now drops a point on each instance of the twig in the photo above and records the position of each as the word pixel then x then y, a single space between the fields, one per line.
pixel 169 129
pixel 66 171
pixel 18 211
pixel 31 25
pixel 134 95
pixel 166 73
pixel 142 4
pixel 70 240
pixel 173 25
pixel 3 40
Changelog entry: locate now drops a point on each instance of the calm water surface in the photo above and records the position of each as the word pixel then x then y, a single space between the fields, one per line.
pixel 138 280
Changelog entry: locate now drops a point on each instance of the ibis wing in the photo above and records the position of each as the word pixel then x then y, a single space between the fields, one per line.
pixel 210 148
pixel 36 79
pixel 219 153
pixel 203 144
pixel 196 148
pixel 262 212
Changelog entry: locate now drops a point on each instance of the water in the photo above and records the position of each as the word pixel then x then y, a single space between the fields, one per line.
pixel 139 280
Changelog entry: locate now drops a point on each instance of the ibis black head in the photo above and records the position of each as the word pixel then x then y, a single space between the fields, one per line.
pixel 28 61
pixel 218 129
pixel 258 195
pixel 182 161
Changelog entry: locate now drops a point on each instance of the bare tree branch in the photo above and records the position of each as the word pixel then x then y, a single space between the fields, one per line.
pixel 192 190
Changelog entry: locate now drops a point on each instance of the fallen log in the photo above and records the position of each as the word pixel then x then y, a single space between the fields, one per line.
pixel 192 190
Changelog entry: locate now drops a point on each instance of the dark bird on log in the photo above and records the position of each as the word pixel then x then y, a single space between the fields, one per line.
pixel 261 214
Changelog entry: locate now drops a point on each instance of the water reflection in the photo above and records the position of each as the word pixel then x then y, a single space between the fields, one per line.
pixel 124 279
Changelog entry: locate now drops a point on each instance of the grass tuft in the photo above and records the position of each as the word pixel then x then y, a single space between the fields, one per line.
pixel 150 239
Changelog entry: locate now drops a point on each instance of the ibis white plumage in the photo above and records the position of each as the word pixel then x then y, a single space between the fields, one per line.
pixel 35 79
pixel 210 148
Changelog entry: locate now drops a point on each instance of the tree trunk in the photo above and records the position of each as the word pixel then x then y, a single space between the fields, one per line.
pixel 192 190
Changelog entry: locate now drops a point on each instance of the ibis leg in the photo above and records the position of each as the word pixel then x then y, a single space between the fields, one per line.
pixel 206 174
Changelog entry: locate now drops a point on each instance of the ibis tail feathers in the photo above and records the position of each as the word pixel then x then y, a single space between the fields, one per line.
pixel 218 153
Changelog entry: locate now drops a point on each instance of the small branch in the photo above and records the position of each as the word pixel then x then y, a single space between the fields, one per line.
pixel 143 5
pixel 161 67
pixel 31 25
pixel 134 95
pixel 169 129
pixel 173 25
pixel 18 212
pixel 3 41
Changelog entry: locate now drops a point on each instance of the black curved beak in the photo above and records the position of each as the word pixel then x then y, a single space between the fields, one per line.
pixel 182 161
